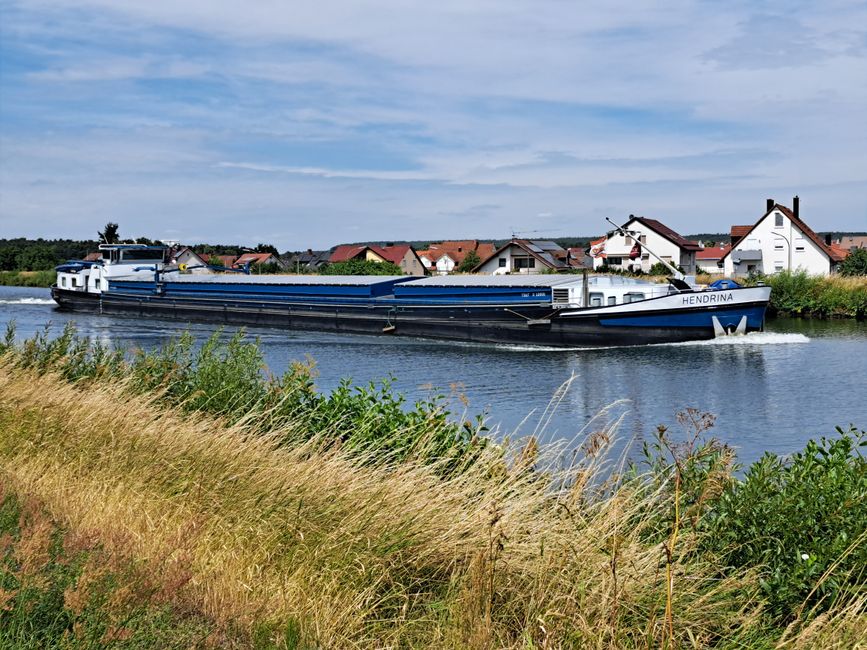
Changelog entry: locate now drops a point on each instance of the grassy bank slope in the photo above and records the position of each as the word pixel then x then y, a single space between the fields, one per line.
pixel 297 539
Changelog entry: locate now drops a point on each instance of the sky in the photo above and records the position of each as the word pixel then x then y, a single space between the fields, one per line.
pixel 309 124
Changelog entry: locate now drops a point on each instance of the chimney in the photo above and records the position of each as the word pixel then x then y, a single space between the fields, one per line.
pixel 769 205
pixel 827 238
pixel 796 206
pixel 310 251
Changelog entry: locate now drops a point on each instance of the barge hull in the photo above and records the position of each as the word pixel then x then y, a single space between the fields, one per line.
pixel 536 325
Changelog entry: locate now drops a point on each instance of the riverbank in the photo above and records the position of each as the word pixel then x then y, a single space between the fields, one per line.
pixel 832 296
pixel 42 279
pixel 258 512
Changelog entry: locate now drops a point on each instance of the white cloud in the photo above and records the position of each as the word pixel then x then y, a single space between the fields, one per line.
pixel 526 107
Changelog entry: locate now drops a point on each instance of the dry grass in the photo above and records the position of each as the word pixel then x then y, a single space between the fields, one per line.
pixel 358 556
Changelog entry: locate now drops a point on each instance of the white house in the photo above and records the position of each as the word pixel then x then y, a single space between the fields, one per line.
pixel 437 262
pixel 707 259
pixel 188 257
pixel 525 257
pixel 628 253
pixel 780 241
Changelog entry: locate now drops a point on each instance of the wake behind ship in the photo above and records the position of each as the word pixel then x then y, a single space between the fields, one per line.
pixel 547 310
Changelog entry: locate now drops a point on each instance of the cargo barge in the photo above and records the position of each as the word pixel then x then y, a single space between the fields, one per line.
pixel 542 310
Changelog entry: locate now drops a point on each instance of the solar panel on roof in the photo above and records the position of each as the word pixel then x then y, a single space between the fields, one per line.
pixel 534 248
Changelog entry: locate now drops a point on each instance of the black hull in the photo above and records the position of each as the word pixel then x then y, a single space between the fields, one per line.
pixel 527 325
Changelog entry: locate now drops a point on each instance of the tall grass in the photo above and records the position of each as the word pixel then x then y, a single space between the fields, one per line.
pixel 294 537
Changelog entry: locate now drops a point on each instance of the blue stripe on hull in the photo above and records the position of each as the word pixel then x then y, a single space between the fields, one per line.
pixel 727 318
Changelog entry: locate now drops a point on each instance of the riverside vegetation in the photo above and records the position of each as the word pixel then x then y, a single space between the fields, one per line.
pixel 28 278
pixel 184 497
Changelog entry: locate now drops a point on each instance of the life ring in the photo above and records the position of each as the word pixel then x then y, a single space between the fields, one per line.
pixel 182 267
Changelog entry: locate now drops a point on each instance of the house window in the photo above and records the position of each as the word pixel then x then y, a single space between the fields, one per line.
pixel 778 220
pixel 799 248
pixel 502 262
pixel 525 263
pixel 629 241
pixel 642 239
pixel 596 299
pixel 778 247
pixel 615 261
pixel 778 266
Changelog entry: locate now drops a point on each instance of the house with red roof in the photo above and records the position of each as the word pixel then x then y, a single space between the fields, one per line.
pixel 402 255
pixel 444 257
pixel 256 259
pixel 708 259
pixel 780 241
pixel 628 253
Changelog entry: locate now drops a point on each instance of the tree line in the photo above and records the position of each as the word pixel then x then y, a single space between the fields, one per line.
pixel 22 254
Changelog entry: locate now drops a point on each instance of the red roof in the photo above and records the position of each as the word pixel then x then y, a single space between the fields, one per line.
pixel 393 254
pixel 843 253
pixel 663 230
pixel 713 252
pixel 347 252
pixel 458 249
pixel 254 258
pixel 738 232
pixel 93 257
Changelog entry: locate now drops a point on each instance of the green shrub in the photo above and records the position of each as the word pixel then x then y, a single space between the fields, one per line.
pixel 362 267
pixel 798 294
pixel 797 519
pixel 659 269
pixel 855 263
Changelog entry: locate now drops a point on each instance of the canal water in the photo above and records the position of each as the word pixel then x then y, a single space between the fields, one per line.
pixel 769 391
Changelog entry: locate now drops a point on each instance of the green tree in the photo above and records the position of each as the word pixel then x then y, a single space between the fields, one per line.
pixel 855 263
pixel 267 248
pixel 109 235
pixel 471 261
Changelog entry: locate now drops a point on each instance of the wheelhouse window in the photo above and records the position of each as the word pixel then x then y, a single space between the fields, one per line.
pixel 633 296
pixel 612 300
pixel 149 254
pixel 62 281
pixel 596 299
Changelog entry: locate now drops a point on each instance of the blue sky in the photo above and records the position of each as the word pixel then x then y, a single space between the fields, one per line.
pixel 311 124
